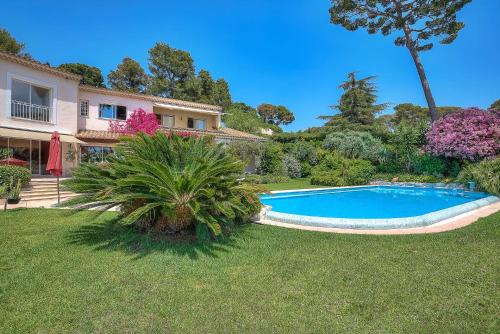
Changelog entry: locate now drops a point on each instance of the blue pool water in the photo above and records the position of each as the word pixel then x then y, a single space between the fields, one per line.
pixel 369 202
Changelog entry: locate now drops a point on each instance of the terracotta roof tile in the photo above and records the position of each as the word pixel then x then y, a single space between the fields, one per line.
pixel 223 133
pixel 38 66
pixel 151 98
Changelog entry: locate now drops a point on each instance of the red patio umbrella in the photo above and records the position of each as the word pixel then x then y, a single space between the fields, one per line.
pixel 54 165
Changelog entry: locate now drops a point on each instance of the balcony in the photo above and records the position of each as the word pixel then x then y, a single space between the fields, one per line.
pixel 32 112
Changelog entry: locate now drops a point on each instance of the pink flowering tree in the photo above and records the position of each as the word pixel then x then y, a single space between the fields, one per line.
pixel 470 134
pixel 139 121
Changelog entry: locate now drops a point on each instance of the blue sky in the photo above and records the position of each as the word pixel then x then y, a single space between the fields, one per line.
pixel 269 51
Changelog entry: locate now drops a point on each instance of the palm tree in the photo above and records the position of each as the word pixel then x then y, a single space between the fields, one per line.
pixel 168 183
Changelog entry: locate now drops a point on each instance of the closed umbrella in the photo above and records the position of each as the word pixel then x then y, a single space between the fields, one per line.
pixel 54 165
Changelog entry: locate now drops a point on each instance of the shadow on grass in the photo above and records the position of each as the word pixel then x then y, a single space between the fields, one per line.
pixel 111 235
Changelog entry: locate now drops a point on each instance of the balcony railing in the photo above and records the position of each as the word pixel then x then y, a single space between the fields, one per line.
pixel 34 112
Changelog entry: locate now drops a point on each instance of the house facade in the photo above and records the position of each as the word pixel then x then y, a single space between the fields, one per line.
pixel 36 100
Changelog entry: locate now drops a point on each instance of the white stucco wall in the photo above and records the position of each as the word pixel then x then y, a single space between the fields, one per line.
pixel 93 122
pixel 64 98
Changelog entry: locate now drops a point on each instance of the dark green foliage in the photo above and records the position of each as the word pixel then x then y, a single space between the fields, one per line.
pixel 275 115
pixel 244 118
pixel 486 174
pixel 169 67
pixel 271 161
pixel 495 105
pixel 335 170
pixel 406 140
pixel 203 89
pixel 428 165
pixel 91 76
pixel 355 145
pixel 406 177
pixel 168 184
pixel 357 103
pixel 129 76
pixel 16 173
pixel 9 44
pixel 413 114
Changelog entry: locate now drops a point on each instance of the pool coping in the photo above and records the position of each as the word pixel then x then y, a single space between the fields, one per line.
pixel 376 224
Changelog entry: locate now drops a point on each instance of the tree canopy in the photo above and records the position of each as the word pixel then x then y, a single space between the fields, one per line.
pixel 275 115
pixel 418 22
pixel 9 44
pixel 129 76
pixel 357 103
pixel 91 76
pixel 495 105
pixel 169 68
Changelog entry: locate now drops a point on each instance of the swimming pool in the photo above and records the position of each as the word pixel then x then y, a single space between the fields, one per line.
pixel 372 207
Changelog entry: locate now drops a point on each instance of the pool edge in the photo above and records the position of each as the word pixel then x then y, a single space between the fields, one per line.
pixel 425 220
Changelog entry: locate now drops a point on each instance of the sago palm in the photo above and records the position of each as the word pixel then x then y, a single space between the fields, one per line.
pixel 168 182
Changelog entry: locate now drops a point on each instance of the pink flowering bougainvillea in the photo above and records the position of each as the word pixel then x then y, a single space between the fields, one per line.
pixel 139 121
pixel 470 134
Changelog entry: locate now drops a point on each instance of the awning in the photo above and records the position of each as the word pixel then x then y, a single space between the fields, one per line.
pixel 37 135
pixel 196 110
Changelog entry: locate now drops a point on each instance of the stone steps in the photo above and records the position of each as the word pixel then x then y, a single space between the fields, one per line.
pixel 44 189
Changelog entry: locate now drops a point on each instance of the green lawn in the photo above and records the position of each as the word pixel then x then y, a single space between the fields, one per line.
pixel 63 272
pixel 292 184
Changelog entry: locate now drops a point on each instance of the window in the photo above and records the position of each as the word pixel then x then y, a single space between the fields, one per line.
pixel 30 102
pixel 198 124
pixel 168 121
pixel 95 154
pixel 112 112
pixel 84 108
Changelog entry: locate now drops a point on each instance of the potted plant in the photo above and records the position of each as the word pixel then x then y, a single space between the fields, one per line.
pixel 14 192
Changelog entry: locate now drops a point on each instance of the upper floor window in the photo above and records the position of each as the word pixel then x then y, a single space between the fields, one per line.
pixel 112 112
pixel 84 108
pixel 198 124
pixel 30 101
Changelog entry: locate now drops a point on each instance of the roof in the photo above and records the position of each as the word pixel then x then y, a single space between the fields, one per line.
pixel 223 133
pixel 152 98
pixel 38 66
pixel 71 76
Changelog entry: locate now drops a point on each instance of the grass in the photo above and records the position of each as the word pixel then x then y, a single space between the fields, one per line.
pixel 70 273
pixel 302 183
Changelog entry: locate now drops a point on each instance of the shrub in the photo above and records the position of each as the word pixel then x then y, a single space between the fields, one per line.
pixel 17 173
pixel 305 152
pixel 470 134
pixel 293 166
pixel 335 170
pixel 486 174
pixel 271 160
pixel 355 145
pixel 406 140
pixel 428 165
pixel 168 183
pixel 405 177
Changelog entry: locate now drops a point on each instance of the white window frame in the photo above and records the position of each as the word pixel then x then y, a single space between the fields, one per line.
pixel 166 115
pixel 114 107
pixel 80 107
pixel 35 82
pixel 196 122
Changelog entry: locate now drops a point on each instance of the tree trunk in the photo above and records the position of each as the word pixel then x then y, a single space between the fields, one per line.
pixel 421 73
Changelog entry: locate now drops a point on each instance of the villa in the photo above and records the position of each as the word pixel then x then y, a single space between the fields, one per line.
pixel 37 99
